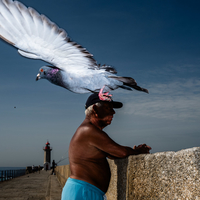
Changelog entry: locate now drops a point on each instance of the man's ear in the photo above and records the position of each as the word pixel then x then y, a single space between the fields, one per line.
pixel 95 110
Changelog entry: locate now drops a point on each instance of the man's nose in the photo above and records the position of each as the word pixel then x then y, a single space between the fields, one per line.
pixel 113 111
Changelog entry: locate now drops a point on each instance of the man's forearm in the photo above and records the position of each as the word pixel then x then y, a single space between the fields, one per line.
pixel 132 151
pixel 127 152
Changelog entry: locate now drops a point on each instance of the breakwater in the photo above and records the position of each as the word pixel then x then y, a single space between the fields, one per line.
pixel 33 186
pixel 164 175
pixel 11 173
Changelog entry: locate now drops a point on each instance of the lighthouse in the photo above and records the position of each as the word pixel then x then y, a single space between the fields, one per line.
pixel 47 156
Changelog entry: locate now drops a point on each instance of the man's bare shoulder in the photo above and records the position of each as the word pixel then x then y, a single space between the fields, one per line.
pixel 85 137
pixel 87 128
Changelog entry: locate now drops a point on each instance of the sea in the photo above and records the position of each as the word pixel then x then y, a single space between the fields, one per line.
pixel 18 171
pixel 11 168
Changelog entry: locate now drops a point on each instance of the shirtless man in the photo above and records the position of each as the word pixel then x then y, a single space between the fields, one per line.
pixel 89 149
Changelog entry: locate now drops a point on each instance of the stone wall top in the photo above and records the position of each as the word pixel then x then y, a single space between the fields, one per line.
pixel 163 175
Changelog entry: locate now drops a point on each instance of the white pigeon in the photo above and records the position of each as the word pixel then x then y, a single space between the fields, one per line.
pixel 72 66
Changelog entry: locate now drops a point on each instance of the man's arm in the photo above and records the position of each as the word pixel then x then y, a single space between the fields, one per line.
pixel 102 141
pixel 129 150
pixel 141 149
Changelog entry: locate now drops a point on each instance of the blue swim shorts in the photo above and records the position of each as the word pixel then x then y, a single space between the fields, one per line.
pixel 75 189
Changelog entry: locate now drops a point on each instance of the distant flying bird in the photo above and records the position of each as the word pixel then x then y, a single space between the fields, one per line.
pixel 72 66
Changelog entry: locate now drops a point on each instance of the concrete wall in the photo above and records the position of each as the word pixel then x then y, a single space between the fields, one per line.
pixel 62 173
pixel 159 176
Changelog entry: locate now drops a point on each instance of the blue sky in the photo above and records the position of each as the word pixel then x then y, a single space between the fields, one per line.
pixel 155 42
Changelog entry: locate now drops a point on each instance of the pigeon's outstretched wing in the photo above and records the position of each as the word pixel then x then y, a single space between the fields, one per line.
pixel 37 37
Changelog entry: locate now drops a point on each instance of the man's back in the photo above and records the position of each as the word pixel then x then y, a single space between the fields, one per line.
pixel 87 162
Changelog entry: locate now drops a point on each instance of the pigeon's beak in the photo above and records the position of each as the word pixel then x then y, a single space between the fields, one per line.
pixel 38 77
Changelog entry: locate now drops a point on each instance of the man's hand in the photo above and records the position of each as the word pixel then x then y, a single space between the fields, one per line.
pixel 142 148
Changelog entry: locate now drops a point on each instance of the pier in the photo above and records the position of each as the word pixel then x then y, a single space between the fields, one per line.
pixel 33 186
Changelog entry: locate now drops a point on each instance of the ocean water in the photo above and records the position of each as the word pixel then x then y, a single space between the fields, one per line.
pixel 6 174
pixel 11 168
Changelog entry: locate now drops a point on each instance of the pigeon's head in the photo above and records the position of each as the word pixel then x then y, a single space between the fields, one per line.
pixel 51 74
pixel 42 73
pixel 46 72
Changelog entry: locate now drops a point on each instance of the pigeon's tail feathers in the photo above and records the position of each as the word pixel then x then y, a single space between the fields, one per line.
pixel 125 87
pixel 136 87
pixel 108 69
pixel 126 80
pixel 129 83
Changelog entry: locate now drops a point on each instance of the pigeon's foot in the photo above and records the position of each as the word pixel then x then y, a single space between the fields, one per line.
pixel 104 96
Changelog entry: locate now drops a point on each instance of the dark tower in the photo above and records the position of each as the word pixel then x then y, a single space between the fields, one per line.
pixel 47 156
